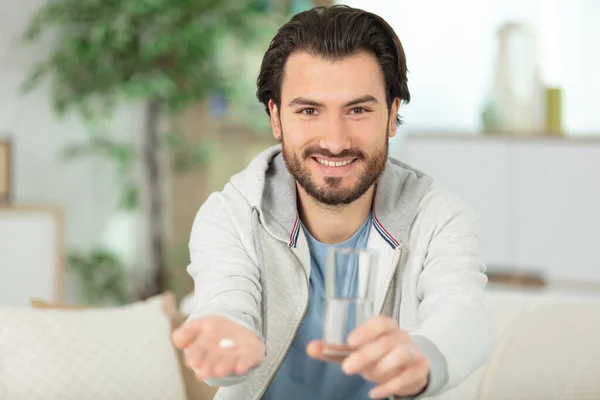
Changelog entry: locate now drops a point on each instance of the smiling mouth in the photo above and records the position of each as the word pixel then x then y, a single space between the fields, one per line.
pixel 329 163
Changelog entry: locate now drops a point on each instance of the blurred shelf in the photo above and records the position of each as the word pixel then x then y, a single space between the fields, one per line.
pixel 32 207
pixel 481 135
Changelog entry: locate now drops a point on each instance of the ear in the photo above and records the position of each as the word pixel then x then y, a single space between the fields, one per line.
pixel 275 120
pixel 392 128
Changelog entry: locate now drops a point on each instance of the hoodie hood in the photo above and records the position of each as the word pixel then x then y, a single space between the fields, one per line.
pixel 267 186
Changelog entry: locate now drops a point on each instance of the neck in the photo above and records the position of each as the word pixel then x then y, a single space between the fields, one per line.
pixel 333 224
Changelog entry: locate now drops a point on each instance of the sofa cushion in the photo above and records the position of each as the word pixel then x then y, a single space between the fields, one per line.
pixel 104 353
pixel 546 349
pixel 194 389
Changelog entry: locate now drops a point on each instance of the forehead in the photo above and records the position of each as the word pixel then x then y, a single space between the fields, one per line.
pixel 332 80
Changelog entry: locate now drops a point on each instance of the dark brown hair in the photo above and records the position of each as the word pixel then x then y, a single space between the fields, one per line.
pixel 333 33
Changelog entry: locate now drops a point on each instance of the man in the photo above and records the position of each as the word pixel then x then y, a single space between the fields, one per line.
pixel 332 82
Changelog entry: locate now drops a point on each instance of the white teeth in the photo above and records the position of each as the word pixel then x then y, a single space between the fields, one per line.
pixel 333 163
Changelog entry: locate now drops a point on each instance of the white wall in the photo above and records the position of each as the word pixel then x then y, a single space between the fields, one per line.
pixel 84 188
pixel 451 50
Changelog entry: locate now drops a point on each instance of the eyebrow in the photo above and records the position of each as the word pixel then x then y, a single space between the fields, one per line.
pixel 302 101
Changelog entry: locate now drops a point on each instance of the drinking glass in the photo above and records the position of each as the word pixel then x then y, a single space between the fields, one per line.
pixel 349 294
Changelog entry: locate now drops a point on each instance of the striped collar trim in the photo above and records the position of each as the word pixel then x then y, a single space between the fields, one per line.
pixel 294 234
pixel 384 233
pixel 378 226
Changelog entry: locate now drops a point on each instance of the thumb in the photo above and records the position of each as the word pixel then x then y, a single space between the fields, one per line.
pixel 315 349
pixel 185 334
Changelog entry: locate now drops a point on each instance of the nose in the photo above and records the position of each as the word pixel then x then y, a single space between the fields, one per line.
pixel 335 137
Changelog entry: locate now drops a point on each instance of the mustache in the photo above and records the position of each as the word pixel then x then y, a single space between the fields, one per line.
pixel 346 153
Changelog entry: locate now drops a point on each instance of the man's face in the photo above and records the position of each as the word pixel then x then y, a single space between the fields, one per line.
pixel 334 124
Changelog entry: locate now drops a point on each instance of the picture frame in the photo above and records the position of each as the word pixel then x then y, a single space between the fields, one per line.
pixel 5 170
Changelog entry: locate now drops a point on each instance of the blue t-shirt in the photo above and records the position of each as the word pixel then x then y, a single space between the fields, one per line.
pixel 300 376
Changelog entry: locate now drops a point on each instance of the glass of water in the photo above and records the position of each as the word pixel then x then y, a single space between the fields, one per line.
pixel 349 295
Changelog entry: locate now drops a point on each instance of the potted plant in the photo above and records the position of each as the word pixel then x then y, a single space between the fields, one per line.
pixel 158 52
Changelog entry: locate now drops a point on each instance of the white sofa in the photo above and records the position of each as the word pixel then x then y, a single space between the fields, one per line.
pixel 546 349
pixel 58 352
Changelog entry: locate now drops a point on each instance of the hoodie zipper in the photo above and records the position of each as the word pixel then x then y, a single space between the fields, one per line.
pixel 390 279
pixel 287 351
pixel 387 292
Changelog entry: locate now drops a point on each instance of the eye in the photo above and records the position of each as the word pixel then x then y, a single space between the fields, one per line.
pixel 358 110
pixel 308 111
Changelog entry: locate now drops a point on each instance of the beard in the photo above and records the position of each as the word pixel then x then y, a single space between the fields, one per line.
pixel 331 193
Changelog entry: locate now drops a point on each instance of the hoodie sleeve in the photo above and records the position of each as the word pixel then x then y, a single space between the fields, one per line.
pixel 456 332
pixel 225 273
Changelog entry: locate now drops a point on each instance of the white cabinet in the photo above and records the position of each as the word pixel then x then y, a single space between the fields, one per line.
pixel 557 207
pixel 538 199
pixel 31 261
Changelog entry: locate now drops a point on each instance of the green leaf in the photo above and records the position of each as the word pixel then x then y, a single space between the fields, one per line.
pixel 35 77
pixel 204 152
pixel 73 151
pixel 102 276
pixel 130 197
pixel 112 51
pixel 174 140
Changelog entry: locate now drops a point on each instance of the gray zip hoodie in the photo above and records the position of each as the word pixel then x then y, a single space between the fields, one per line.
pixel 250 263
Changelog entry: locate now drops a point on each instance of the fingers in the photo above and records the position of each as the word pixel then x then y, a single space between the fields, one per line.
pixel 322 352
pixel 368 355
pixel 222 363
pixel 185 334
pixel 371 330
pixel 194 356
pixel 205 369
pixel 225 366
pixel 390 364
pixel 243 365
pixel 315 350
pixel 382 377
pixel 408 383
